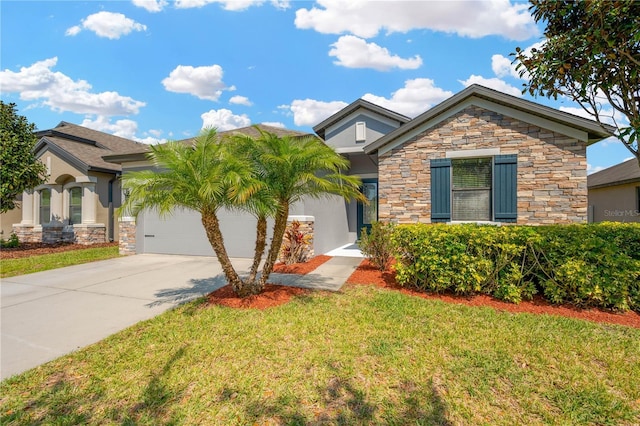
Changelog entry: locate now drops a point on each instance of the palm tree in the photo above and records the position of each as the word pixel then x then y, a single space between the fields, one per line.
pixel 291 169
pixel 203 177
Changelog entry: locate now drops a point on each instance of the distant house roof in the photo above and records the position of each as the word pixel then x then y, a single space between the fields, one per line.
pixel 83 147
pixel 620 174
pixel 595 132
pixel 321 127
pixel 140 153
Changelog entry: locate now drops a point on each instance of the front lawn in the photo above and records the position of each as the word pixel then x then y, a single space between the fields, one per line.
pixel 363 356
pixel 27 265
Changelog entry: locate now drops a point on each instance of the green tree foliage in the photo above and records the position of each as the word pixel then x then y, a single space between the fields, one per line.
pixel 262 176
pixel 19 168
pixel 592 56
pixel 292 169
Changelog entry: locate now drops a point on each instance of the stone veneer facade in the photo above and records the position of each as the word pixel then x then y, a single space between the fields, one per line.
pixel 551 168
pixel 77 234
pixel 127 241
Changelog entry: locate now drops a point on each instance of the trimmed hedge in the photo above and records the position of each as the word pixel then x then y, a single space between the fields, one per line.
pixel 586 265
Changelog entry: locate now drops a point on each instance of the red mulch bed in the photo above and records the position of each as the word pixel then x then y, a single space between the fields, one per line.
pixel 273 295
pixel 36 249
pixel 301 268
pixel 368 274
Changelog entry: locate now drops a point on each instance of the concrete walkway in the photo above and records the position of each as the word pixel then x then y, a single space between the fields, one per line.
pixel 49 314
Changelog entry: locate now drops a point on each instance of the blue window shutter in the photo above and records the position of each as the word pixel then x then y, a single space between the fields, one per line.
pixel 441 190
pixel 505 188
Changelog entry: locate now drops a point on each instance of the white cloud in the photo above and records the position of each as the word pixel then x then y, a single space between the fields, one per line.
pixel 492 83
pixel 414 98
pixel 223 119
pixel 61 93
pixel 354 52
pixel 203 82
pixel 233 5
pixel 73 30
pixel 591 169
pixel 240 100
pixel 107 24
pixel 309 112
pixel 155 132
pixel 466 18
pixel 151 5
pixel 608 116
pixel 503 66
pixel 274 124
pixel 123 128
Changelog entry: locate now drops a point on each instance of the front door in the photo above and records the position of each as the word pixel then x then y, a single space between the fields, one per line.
pixel 367 214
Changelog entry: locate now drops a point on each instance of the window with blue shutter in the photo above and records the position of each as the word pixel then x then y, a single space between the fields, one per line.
pixel 474 189
pixel 505 188
pixel 441 190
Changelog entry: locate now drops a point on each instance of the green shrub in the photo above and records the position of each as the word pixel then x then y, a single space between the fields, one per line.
pixel 586 265
pixel 375 245
pixel 12 242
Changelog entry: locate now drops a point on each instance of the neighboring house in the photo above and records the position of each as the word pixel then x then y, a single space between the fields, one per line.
pixel 77 202
pixel 480 156
pixel 614 193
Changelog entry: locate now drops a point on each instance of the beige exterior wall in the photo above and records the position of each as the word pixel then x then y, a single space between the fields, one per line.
pixel 102 195
pixel 551 177
pixel 59 170
pixel 617 203
pixel 61 174
pixel 8 219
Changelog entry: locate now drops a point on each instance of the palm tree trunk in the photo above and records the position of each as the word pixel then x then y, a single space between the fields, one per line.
pixel 279 227
pixel 212 227
pixel 261 243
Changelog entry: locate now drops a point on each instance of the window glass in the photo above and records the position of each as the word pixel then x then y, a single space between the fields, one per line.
pixel 370 211
pixel 75 205
pixel 45 206
pixel 471 179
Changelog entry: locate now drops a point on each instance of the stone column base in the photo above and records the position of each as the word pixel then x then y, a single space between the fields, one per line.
pixel 127 235
pixel 90 234
pixel 27 233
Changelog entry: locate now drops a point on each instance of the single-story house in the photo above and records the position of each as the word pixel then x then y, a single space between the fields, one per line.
pixel 77 201
pixel 479 156
pixel 614 193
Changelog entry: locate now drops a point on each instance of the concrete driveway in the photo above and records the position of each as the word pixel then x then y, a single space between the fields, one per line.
pixel 49 314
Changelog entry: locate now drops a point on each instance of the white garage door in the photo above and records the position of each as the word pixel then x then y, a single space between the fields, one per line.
pixel 183 233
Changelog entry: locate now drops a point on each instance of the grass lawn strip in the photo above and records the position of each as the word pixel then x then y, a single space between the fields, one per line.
pixel 364 356
pixel 28 265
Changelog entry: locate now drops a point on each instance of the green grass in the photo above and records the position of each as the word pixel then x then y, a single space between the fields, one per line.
pixel 28 265
pixel 363 356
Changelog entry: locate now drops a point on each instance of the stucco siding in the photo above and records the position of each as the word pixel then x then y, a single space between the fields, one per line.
pixel 59 169
pixel 551 167
pixel 343 134
pixel 617 203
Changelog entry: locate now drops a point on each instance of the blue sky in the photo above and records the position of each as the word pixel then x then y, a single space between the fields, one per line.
pixel 157 70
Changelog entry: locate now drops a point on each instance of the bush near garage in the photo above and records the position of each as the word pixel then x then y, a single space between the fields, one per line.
pixel 595 265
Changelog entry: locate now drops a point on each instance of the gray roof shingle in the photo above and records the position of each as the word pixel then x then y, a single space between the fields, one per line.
pixel 84 147
pixel 626 172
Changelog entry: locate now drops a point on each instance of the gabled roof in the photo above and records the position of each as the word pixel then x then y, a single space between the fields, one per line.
pixel 140 154
pixel 594 130
pixel 321 127
pixel 83 147
pixel 626 172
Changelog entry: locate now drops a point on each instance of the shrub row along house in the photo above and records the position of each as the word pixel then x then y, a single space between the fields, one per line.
pixel 480 156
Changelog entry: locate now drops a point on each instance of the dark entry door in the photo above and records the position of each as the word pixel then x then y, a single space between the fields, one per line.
pixel 367 214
